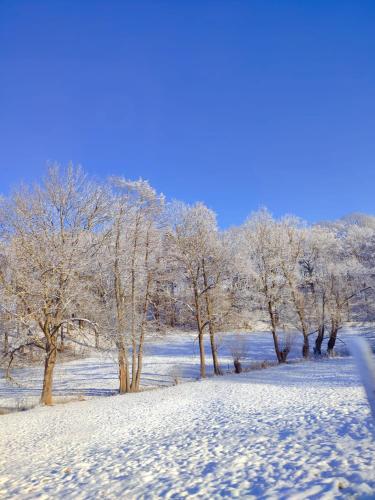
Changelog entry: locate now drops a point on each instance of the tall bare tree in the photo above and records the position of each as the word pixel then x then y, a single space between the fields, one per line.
pixel 132 256
pixel 261 267
pixel 49 232
pixel 198 252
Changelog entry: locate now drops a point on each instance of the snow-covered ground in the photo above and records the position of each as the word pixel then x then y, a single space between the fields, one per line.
pixel 170 359
pixel 296 431
pixel 174 358
pixel 301 430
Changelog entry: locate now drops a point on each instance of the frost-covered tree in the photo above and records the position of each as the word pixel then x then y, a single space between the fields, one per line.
pixel 314 267
pixel 48 232
pixel 129 271
pixel 291 239
pixel 198 254
pixel 262 272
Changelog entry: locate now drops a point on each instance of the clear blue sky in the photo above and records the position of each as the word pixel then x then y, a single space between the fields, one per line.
pixel 236 103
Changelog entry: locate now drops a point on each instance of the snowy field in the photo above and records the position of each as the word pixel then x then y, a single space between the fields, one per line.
pixel 296 431
pixel 167 361
pixel 301 430
pixel 174 358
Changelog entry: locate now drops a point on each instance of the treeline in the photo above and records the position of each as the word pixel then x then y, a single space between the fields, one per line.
pixel 109 263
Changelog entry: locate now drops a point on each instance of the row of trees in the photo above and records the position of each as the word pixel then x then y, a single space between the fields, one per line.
pixel 120 262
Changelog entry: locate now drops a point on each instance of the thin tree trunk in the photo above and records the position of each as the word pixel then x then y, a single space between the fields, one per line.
pixel 276 346
pixel 123 364
pixel 202 355
pixel 62 338
pixel 144 311
pixel 139 360
pixel 123 371
pixel 141 343
pixel 215 360
pixel 134 365
pixel 200 334
pixel 142 337
pixel 305 333
pixel 280 355
pixel 133 305
pixel 139 367
pixel 319 340
pixel 301 315
pixel 6 341
pixel 305 346
pixel 138 355
pixel 49 365
pixel 321 328
pixel 332 337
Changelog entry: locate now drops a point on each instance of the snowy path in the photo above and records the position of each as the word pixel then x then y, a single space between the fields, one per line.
pixel 294 431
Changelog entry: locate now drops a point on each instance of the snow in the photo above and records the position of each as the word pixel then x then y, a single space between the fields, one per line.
pixel 302 430
pixel 170 359
pixel 295 431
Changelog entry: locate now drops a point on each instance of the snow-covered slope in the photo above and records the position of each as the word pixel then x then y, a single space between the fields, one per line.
pixel 296 431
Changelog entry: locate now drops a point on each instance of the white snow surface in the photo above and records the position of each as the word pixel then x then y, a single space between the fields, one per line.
pixel 171 358
pixel 301 430
pixel 297 431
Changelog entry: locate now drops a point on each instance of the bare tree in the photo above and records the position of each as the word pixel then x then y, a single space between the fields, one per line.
pixel 198 255
pixel 260 249
pixel 132 261
pixel 292 245
pixel 49 233
pixel 317 252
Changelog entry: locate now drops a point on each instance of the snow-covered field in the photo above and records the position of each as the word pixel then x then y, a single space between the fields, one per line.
pixel 301 430
pixel 174 358
pixel 296 431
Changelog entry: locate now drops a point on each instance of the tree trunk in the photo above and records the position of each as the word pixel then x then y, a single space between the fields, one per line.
pixel 306 346
pixel 144 313
pixel 133 307
pixel 200 334
pixel 139 362
pixel 62 339
pixel 139 369
pixel 134 364
pixel 319 341
pixel 301 316
pixel 141 343
pixel 332 338
pixel 215 360
pixel 137 382
pixel 321 329
pixel 123 364
pixel 49 365
pixel 280 355
pixel 6 341
pixel 123 371
pixel 202 356
pixel 237 366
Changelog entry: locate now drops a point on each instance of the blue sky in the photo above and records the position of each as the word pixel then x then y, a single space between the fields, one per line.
pixel 236 103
